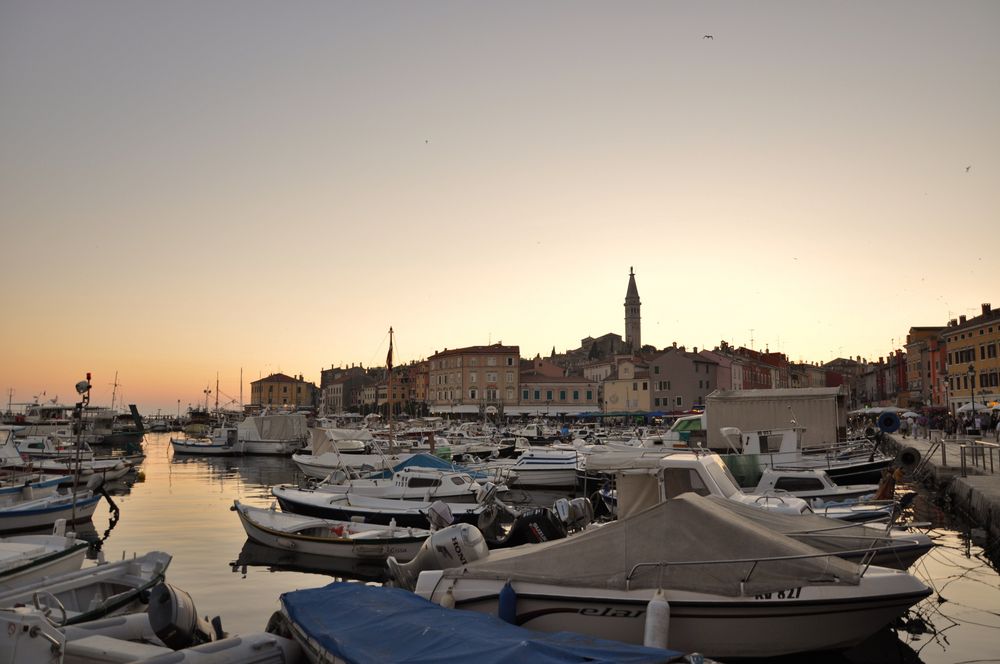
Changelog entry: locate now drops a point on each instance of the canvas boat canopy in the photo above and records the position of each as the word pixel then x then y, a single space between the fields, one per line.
pixel 273 427
pixel 688 529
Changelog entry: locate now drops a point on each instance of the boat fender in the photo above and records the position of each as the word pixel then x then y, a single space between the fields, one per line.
pixel 888 422
pixel 507 604
pixel 908 458
pixel 657 629
pixel 448 601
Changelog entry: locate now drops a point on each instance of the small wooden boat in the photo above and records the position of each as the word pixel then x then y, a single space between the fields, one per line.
pixel 25 558
pixel 327 537
pixel 93 592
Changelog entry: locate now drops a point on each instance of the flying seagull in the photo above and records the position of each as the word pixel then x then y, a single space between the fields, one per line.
pixel 708 37
pixel 967 168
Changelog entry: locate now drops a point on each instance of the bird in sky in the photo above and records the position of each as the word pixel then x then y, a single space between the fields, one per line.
pixel 968 168
pixel 708 36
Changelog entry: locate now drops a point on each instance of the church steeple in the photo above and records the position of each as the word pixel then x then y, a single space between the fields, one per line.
pixel 633 325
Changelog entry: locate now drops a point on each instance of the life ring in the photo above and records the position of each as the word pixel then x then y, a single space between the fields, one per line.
pixel 888 422
pixel 908 458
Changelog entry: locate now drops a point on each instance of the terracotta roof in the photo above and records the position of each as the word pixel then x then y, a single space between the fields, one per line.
pixel 469 350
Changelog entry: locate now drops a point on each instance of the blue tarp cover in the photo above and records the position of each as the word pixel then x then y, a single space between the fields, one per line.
pixel 424 460
pixel 366 624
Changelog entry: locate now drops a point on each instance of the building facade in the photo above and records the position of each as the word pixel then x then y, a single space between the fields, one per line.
pixel 973 368
pixel 470 380
pixel 681 380
pixel 281 391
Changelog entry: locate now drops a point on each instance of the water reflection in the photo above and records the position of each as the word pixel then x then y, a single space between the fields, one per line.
pixel 183 507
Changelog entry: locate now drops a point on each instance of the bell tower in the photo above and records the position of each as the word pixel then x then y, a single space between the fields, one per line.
pixel 633 324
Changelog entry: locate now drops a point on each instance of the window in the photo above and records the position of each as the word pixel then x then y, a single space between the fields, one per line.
pixel 656 369
pixel 472 377
pixel 656 401
pixel 491 377
pixel 635 387
pixel 798 484
pixel 681 480
pixel 473 394
pixel 491 361
pixel 421 482
pixel 510 361
pixel 509 377
pixel 524 395
pixel 538 395
pixel 510 394
pixel 548 395
pixel 590 395
pixel 562 395
pixel 679 401
pixel 645 385
pixel 576 395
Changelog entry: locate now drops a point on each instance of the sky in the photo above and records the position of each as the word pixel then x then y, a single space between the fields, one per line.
pixel 193 189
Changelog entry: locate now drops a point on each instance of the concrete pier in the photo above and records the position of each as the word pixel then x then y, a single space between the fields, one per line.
pixel 972 486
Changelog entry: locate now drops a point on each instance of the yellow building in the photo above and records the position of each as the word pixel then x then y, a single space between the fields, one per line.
pixel 973 347
pixel 281 391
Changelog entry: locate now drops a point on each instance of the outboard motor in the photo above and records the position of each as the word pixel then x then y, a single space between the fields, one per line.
pixel 540 524
pixel 439 515
pixel 174 619
pixel 575 513
pixel 453 546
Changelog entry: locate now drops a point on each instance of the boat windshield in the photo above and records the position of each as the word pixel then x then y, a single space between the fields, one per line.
pixel 720 473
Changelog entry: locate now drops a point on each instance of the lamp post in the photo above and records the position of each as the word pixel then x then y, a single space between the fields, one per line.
pixel 972 397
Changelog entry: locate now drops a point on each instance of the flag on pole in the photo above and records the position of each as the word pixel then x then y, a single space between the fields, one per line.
pixel 388 358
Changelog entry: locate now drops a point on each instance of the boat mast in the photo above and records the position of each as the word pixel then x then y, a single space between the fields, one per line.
pixel 114 391
pixel 388 396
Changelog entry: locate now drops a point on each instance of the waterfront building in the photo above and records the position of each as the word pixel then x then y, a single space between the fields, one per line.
pixel 470 380
pixel 339 388
pixel 681 380
pixel 281 391
pixel 973 368
pixel 555 395
pixel 629 389
pixel 924 366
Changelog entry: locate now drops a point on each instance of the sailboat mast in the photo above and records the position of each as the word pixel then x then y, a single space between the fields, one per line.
pixel 388 396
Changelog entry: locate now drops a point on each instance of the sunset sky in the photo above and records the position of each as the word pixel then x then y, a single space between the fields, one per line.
pixel 189 188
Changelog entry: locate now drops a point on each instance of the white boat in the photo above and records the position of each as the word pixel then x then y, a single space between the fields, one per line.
pixel 224 441
pixel 409 483
pixel 850 462
pixel 51 446
pixel 42 512
pixel 734 589
pixel 404 513
pixel 327 537
pixel 25 558
pixel 539 467
pixel 281 435
pixel 93 592
pixel 811 485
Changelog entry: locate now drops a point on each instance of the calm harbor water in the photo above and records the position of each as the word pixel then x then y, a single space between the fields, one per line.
pixel 181 506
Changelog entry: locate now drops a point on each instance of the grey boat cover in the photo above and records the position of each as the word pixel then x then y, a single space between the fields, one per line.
pixel 273 427
pixel 819 531
pixel 687 529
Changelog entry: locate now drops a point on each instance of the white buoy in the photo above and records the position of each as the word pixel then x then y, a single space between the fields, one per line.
pixel 657 621
pixel 448 601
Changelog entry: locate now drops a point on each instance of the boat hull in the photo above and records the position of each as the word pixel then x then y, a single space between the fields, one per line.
pixel 17 519
pixel 768 625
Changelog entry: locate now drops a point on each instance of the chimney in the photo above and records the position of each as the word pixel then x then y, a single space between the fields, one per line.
pixel 695 350
pixel 675 344
pixel 961 319
pixel 986 308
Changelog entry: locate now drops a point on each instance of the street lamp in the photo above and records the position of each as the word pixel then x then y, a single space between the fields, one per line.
pixel 972 396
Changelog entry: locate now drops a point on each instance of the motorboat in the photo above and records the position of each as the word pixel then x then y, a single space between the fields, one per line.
pixel 330 450
pixel 539 467
pixel 224 441
pixel 404 513
pixel 92 592
pixel 812 485
pixel 32 514
pixel 887 545
pixel 327 537
pixel 734 588
pixel 353 623
pixel 851 462
pixel 25 558
pixel 273 434
pixel 643 479
pixel 51 446
pixel 408 483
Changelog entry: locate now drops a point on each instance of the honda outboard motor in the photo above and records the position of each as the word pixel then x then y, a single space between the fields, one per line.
pixel 453 546
pixel 174 619
pixel 532 526
pixel 439 515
